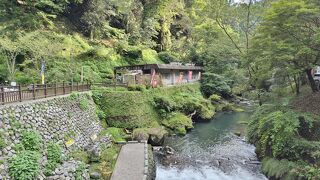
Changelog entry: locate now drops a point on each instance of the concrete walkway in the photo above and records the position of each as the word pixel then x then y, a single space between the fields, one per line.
pixel 130 163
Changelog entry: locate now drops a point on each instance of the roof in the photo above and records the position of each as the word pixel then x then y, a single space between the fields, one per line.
pixel 159 66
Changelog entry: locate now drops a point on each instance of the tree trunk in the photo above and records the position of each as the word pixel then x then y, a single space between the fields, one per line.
pixel 312 83
pixel 297 84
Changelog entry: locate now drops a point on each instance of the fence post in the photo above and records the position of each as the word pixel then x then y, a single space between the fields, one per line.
pixel 20 93
pixel 2 94
pixel 55 89
pixel 34 91
pixel 71 87
pixel 45 90
pixel 77 86
pixel 64 88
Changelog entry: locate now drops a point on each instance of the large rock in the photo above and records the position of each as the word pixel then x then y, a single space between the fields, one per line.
pixel 154 136
pixel 157 136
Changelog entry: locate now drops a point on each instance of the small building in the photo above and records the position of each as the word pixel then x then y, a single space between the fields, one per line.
pixel 158 74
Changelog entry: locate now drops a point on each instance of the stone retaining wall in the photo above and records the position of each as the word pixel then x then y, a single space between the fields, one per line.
pixel 70 120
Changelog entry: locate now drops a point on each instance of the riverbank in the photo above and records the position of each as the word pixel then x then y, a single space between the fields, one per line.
pixel 147 112
pixel 287 142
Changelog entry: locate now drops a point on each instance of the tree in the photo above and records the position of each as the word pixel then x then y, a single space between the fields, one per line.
pixel 292 29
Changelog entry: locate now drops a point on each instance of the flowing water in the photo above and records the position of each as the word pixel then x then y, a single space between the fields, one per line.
pixel 211 151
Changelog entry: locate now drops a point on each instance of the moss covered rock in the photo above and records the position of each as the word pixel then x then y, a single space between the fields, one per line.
pixel 154 136
pixel 178 122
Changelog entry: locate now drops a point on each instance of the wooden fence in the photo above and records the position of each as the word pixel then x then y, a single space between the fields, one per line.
pixel 11 94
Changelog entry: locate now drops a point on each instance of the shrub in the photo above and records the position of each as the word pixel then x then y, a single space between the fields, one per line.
pixel 25 166
pixel 215 84
pixel 167 57
pixel 53 156
pixel 137 88
pixel 101 115
pixel 214 98
pixel 164 105
pixel 31 141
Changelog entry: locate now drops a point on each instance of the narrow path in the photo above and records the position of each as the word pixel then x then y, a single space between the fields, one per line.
pixel 130 163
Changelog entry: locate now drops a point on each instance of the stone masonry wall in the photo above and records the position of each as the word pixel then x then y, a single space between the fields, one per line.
pixel 70 120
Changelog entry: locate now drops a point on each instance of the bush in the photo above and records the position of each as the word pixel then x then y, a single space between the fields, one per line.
pixel 136 88
pixel 25 166
pixel 167 57
pixel 101 115
pixel 215 98
pixel 215 84
pixel 31 141
pixel 164 105
pixel 53 156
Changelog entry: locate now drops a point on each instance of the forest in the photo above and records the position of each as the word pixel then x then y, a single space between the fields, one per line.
pixel 263 50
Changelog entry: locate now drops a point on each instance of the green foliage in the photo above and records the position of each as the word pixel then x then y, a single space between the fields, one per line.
pixel 215 84
pixel 278 168
pixel 164 105
pixel 84 104
pixel 178 122
pixel 117 134
pixel 101 115
pixel 167 57
pixel 136 88
pixel 126 109
pixel 25 166
pixel 80 155
pixel 31 140
pixel 2 140
pixel 80 170
pixel 54 152
pixel 110 155
pixel 214 98
pixel 282 138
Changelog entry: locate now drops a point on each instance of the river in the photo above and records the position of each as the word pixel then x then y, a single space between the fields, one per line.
pixel 211 151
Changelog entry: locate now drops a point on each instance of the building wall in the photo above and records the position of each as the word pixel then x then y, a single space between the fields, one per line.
pixel 176 77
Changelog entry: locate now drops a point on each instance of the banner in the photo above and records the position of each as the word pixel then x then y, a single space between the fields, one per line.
pixel 190 75
pixel 42 71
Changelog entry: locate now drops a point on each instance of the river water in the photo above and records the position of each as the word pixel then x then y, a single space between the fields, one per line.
pixel 211 151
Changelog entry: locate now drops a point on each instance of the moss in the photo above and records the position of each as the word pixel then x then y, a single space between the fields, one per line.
pixel 126 109
pixel 178 122
pixel 117 134
pixel 80 155
pixel 107 162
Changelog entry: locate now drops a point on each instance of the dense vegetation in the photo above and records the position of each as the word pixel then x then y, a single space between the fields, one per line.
pixel 171 107
pixel 287 141
pixel 264 50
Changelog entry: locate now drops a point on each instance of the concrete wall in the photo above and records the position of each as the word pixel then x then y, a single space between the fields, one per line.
pixel 70 120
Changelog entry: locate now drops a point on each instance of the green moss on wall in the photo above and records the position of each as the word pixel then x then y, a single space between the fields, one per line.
pixel 150 108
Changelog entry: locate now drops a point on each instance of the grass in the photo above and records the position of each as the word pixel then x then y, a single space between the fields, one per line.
pixel 117 134
pixel 80 155
pixel 107 162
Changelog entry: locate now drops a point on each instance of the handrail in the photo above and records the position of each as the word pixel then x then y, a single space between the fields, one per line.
pixel 20 93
